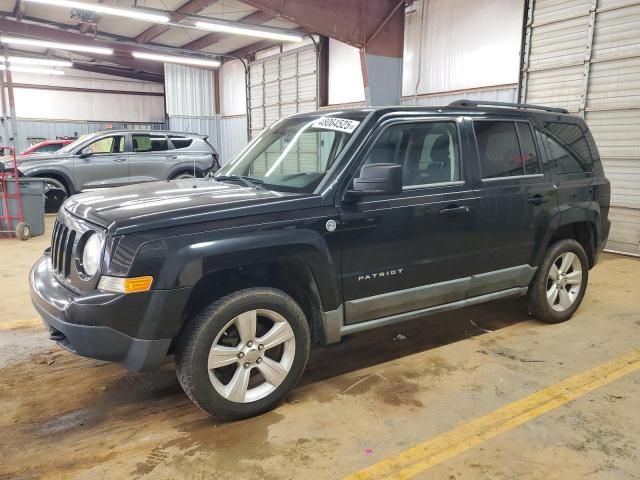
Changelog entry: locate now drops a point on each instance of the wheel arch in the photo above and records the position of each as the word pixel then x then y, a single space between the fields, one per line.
pixel 57 175
pixel 584 232
pixel 297 262
pixel 178 169
pixel 291 276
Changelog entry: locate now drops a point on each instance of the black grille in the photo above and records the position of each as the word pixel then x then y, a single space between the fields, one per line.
pixel 62 242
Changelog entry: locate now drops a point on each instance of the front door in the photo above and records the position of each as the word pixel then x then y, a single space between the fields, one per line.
pixel 106 166
pixel 414 250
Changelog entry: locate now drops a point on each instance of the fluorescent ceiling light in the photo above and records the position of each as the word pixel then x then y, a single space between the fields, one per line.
pixel 134 13
pixel 45 62
pixel 44 71
pixel 55 45
pixel 198 62
pixel 249 31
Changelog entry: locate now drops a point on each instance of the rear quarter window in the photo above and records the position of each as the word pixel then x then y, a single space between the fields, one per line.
pixel 569 150
pixel 181 142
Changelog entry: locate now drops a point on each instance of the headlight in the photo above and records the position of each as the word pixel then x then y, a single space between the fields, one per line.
pixel 91 254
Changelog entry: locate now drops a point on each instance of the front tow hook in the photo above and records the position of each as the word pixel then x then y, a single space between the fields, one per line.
pixel 56 336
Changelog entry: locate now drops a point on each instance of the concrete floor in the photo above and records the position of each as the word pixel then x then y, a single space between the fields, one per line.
pixel 370 397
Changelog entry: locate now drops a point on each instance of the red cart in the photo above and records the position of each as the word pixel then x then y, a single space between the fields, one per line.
pixel 12 222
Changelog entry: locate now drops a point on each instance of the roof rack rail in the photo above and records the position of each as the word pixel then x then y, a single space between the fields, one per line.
pixel 477 103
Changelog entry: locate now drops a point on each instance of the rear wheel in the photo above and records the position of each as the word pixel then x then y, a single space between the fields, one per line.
pixel 241 355
pixel 559 285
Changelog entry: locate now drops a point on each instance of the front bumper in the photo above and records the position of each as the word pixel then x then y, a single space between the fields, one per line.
pixel 134 330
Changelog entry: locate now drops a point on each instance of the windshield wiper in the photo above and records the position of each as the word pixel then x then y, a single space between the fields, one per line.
pixel 248 181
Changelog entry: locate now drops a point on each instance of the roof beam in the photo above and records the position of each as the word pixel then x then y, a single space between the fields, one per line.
pixel 375 25
pixel 190 8
pixel 119 72
pixel 8 26
pixel 255 18
pixel 254 47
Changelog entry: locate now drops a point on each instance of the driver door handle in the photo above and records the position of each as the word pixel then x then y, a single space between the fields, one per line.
pixel 119 159
pixel 454 210
pixel 538 199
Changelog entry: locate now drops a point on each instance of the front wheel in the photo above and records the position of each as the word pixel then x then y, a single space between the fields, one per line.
pixel 559 285
pixel 55 195
pixel 241 355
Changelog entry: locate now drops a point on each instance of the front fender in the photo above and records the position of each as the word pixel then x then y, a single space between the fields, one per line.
pixel 180 263
pixel 44 171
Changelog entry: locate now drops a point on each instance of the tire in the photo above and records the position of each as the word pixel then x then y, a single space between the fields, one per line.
pixel 23 231
pixel 559 285
pixel 223 391
pixel 55 195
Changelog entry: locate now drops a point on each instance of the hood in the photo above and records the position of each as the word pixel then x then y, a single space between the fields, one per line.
pixel 152 205
pixel 27 160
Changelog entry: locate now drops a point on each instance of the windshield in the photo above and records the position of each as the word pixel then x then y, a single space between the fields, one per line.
pixel 72 146
pixel 294 154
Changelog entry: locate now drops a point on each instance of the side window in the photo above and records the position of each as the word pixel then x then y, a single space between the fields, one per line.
pixel 428 152
pixel 113 144
pixel 149 143
pixel 569 150
pixel 181 142
pixel 506 149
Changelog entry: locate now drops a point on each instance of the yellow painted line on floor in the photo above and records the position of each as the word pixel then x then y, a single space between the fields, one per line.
pixel 467 435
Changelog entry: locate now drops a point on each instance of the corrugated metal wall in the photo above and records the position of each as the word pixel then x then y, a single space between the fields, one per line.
pixel 505 93
pixel 209 126
pixel 189 91
pixel 233 136
pixel 190 100
pixel 34 131
pixel 584 55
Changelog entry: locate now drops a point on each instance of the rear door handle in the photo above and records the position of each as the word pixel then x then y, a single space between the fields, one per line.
pixel 538 199
pixel 120 159
pixel 171 157
pixel 454 210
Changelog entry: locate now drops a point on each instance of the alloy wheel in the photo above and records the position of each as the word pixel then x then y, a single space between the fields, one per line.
pixel 564 281
pixel 251 356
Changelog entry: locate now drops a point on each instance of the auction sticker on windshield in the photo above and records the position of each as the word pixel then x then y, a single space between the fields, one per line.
pixel 338 124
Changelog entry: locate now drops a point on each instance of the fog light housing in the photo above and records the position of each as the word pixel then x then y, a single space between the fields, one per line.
pixel 125 285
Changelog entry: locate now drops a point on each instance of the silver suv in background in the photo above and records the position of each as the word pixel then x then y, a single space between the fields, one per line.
pixel 113 158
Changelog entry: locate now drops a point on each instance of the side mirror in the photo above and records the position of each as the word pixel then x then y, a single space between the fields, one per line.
pixel 86 152
pixel 376 179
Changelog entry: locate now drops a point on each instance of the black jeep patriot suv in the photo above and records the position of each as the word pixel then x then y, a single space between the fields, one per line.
pixel 328 224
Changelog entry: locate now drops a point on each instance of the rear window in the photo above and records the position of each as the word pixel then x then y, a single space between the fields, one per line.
pixel 568 148
pixel 506 149
pixel 181 142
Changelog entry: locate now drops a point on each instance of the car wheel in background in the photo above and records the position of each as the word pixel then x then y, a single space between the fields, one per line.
pixel 241 355
pixel 55 194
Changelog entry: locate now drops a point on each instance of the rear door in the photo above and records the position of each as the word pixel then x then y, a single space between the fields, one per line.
pixel 414 250
pixel 107 166
pixel 152 157
pixel 516 202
